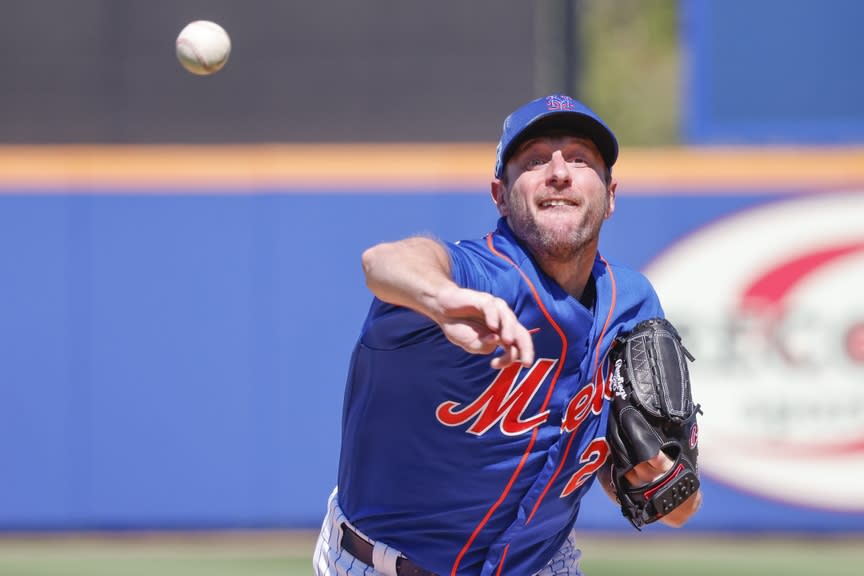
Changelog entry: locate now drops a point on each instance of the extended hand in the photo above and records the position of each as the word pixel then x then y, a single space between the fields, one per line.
pixel 479 323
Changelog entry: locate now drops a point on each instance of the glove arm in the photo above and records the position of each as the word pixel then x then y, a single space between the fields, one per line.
pixel 680 515
pixel 604 477
pixel 652 430
pixel 644 473
pixel 652 469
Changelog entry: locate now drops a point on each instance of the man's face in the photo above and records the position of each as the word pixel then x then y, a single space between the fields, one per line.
pixel 554 195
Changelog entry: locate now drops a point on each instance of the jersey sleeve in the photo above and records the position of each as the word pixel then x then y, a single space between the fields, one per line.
pixel 651 306
pixel 469 267
pixel 389 326
pixel 638 299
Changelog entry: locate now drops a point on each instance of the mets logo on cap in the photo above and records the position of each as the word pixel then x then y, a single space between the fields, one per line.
pixel 560 103
pixel 770 302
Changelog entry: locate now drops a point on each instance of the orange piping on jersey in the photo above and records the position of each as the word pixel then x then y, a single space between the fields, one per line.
pixel 530 446
pixel 503 558
pixel 593 372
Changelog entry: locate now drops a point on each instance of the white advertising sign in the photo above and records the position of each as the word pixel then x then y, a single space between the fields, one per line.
pixel 771 303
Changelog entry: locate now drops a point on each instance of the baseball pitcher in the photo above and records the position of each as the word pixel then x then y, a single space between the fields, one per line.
pixel 496 378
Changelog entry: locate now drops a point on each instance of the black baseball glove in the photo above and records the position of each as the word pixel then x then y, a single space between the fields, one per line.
pixel 652 410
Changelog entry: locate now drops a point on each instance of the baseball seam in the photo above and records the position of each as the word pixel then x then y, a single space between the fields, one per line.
pixel 198 56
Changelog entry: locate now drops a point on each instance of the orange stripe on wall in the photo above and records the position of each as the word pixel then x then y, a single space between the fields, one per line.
pixel 324 166
pixel 403 166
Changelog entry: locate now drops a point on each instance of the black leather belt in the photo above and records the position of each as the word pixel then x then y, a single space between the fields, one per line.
pixel 355 545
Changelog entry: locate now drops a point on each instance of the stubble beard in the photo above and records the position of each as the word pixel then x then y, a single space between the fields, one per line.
pixel 559 244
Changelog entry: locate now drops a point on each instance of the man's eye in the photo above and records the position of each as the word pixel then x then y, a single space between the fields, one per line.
pixel 536 161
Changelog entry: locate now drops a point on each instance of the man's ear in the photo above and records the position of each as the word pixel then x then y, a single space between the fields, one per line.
pixel 613 187
pixel 499 196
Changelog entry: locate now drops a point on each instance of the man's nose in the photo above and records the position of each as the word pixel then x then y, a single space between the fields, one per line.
pixel 559 173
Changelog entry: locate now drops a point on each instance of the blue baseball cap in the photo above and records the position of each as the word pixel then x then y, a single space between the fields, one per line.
pixel 555 112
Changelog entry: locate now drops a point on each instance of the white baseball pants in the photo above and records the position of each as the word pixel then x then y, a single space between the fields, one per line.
pixel 331 560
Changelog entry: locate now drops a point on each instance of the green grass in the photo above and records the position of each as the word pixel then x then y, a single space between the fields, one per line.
pixel 167 566
pixel 722 556
pixel 289 554
pixel 219 554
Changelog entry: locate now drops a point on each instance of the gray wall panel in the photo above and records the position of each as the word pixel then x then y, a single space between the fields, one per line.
pixel 373 70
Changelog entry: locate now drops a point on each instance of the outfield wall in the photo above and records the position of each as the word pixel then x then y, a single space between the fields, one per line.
pixel 175 323
pixel 772 72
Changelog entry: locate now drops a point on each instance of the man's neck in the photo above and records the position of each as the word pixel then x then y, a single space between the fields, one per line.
pixel 572 274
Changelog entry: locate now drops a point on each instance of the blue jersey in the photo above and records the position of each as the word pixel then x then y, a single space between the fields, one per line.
pixel 465 468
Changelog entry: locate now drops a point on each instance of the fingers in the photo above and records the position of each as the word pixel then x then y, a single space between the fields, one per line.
pixel 522 344
pixel 649 470
pixel 510 355
pixel 487 323
pixel 513 338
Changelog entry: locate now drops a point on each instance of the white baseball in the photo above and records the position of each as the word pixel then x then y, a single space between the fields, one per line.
pixel 203 47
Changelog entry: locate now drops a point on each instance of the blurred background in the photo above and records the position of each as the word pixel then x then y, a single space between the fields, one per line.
pixel 181 287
